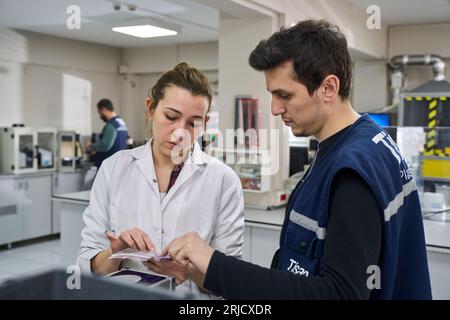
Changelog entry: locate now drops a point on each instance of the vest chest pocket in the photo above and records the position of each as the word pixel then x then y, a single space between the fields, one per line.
pixel 300 239
pixel 299 254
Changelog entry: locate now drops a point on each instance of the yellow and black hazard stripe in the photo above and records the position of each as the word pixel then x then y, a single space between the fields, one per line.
pixel 431 138
pixel 430 146
pixel 446 151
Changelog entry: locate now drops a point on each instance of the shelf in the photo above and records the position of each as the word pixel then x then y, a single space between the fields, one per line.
pixel 240 162
pixel 255 191
pixel 249 150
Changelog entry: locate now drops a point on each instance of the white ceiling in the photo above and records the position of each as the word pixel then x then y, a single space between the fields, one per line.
pixel 198 22
pixel 405 12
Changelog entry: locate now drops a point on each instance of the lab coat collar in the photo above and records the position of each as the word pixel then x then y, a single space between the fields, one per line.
pixel 197 156
pixel 144 161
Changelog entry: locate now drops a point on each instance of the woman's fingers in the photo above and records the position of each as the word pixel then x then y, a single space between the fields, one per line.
pixel 115 242
pixel 111 236
pixel 126 237
pixel 137 238
pixel 148 242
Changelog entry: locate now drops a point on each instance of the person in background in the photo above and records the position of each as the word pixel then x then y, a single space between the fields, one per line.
pixel 114 134
pixel 353 227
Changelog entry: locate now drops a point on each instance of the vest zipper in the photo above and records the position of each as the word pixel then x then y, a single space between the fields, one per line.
pixel 312 165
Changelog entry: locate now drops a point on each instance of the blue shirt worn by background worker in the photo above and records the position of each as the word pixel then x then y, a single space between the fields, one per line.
pixel 114 138
pixel 371 153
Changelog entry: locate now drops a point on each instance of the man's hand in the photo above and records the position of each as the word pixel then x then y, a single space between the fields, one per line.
pixel 174 269
pixel 190 248
pixel 88 148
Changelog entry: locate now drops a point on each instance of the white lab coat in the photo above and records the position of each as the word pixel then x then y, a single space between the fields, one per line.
pixel 206 197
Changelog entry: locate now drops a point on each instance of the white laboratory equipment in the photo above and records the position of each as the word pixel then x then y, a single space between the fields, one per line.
pixel 27 149
pixel 70 151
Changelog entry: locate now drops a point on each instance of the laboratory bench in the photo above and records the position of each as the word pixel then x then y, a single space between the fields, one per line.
pixel 437 237
pixel 71 206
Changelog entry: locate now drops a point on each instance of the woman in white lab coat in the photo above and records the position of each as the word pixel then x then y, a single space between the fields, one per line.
pixel 145 197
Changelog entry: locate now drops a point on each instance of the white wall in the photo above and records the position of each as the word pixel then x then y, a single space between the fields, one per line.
pixel 351 20
pixel 420 39
pixel 54 82
pixel 132 105
pixel 370 86
pixel 13 52
pixel 204 56
pixel 60 52
pixel 11 90
pixel 51 92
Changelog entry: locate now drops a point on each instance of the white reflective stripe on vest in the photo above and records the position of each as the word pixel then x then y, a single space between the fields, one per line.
pixel 307 223
pixel 394 205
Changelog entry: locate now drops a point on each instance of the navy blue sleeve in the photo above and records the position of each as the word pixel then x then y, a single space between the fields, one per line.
pixel 353 243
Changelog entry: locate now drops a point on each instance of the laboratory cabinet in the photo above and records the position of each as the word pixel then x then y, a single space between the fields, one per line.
pixel 70 153
pixel 25 207
pixel 10 211
pixel 260 243
pixel 27 150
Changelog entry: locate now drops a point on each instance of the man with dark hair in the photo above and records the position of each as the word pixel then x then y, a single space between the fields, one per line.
pixel 353 226
pixel 114 134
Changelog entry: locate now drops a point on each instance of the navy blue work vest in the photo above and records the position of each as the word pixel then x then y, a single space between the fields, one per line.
pixel 119 144
pixel 368 150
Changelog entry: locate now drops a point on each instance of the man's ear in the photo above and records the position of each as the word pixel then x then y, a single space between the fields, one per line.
pixel 330 88
pixel 150 109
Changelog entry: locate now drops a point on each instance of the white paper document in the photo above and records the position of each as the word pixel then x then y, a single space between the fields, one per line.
pixel 135 254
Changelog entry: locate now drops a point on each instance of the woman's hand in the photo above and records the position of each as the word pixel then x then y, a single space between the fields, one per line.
pixel 190 248
pixel 132 238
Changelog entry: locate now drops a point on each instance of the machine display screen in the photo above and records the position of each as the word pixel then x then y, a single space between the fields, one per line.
pixel 382 119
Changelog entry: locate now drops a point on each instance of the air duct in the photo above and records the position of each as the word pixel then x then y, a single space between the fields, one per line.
pixel 398 62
